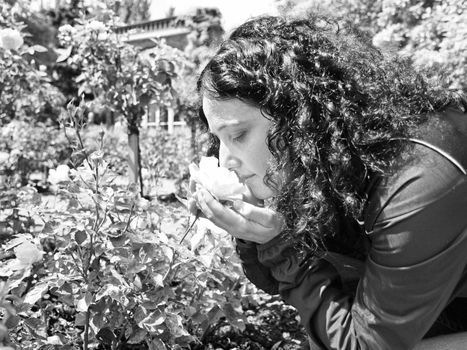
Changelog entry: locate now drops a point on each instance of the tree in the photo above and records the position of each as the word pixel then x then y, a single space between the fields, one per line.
pixel 431 32
pixel 127 80
pixel 132 11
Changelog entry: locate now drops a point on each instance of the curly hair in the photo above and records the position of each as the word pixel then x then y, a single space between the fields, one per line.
pixel 338 107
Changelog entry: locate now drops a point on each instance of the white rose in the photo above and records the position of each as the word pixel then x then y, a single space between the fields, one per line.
pixel 59 175
pixel 96 26
pixel 219 181
pixel 28 253
pixel 10 39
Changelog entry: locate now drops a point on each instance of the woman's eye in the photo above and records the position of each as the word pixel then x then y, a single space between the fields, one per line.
pixel 239 137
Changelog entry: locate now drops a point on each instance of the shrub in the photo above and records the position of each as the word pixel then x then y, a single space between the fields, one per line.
pixel 110 268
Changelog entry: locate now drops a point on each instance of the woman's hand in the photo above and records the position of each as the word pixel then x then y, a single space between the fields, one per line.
pixel 245 220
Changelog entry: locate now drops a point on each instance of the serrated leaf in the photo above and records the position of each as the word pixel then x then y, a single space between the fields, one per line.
pixel 36 293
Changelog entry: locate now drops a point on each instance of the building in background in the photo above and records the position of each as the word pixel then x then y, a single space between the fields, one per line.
pixel 174 32
pixel 198 27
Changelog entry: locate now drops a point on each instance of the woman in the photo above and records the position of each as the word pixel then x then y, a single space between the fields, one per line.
pixel 362 166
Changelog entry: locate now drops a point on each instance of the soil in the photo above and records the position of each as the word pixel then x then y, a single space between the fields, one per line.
pixel 271 326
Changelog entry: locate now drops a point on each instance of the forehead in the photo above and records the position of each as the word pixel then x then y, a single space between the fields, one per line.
pixel 232 111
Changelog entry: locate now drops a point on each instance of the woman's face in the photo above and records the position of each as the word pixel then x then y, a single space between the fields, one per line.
pixel 242 131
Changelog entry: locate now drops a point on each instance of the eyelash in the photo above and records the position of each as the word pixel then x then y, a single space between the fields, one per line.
pixel 239 137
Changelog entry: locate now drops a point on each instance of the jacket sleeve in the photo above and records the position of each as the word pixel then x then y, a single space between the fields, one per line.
pixel 257 273
pixel 415 266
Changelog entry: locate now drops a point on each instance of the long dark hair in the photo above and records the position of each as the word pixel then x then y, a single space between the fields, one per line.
pixel 337 105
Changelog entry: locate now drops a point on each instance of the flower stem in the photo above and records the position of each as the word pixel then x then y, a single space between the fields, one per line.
pixel 190 227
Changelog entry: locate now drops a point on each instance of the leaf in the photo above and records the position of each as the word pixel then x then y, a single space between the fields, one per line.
pixel 80 319
pixel 152 320
pixel 198 317
pixel 39 48
pixel 36 327
pixel 100 306
pixel 197 239
pixel 16 241
pixel 158 280
pixel 215 314
pixel 156 344
pixel 175 325
pixel 80 236
pixel 277 345
pixel 36 293
pixel 138 336
pixel 54 340
pixel 50 226
pixel 82 304
pixel 12 321
pixel 137 282
pixel 233 316
pixel 106 336
pixel 64 54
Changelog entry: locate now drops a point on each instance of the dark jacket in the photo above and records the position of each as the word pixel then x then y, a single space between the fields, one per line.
pixel 416 222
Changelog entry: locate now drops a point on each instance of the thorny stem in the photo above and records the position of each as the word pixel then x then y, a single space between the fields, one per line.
pixel 190 227
pixel 86 330
pixel 169 270
pixel 129 219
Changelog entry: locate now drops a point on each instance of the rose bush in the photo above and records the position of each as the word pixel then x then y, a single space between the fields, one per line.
pixel 114 270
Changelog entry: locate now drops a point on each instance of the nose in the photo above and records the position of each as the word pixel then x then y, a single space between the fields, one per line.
pixel 227 159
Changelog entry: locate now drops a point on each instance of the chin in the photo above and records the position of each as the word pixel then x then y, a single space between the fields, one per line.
pixel 262 193
pixel 259 189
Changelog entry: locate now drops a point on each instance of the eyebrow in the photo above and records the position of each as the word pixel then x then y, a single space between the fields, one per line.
pixel 225 125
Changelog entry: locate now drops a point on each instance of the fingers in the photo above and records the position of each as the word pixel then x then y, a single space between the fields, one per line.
pixel 266 225
pixel 263 216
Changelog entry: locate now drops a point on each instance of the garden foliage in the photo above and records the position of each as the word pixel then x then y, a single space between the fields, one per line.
pixel 25 90
pixel 104 266
pixel 431 32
